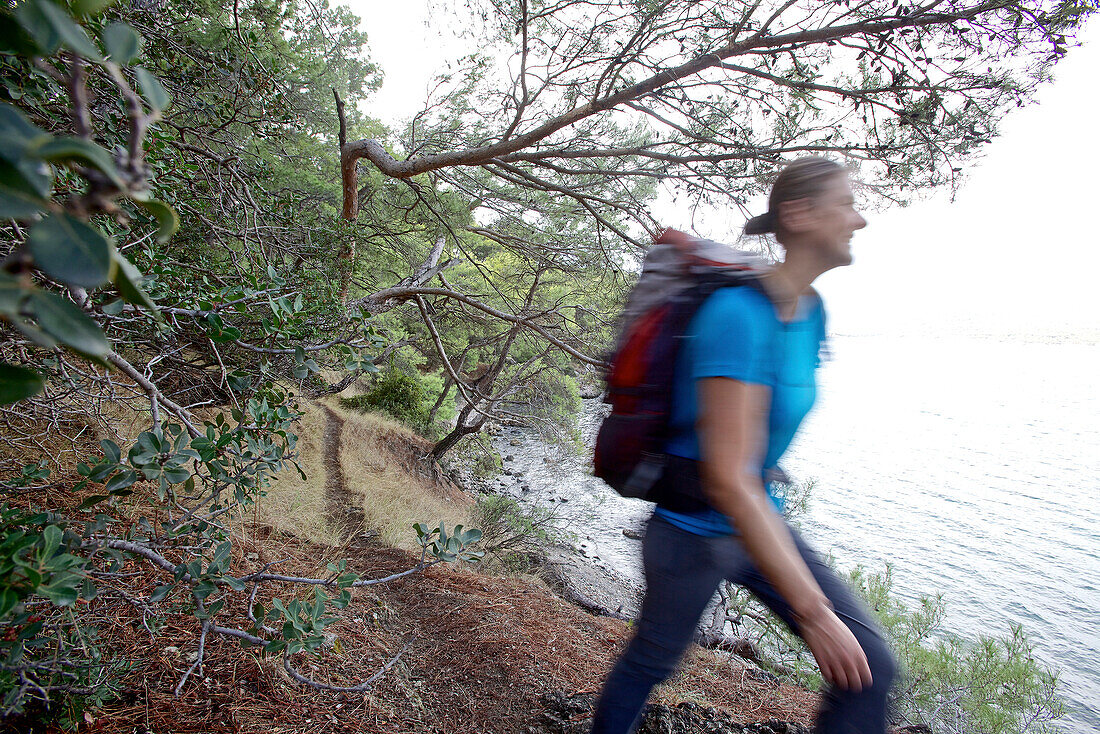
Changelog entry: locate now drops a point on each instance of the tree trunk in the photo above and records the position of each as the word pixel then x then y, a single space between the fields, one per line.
pixel 460 430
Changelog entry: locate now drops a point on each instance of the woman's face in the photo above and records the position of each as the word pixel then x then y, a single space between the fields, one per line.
pixel 834 220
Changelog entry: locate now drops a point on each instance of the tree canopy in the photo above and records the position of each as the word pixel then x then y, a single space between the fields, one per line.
pixel 589 100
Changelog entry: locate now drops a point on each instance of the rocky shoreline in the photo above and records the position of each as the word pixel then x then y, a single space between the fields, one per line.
pixel 573 571
pixel 594 588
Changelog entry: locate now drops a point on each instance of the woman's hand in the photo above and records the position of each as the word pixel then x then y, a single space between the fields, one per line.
pixel 838 653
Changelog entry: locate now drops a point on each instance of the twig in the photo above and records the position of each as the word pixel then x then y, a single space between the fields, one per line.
pixel 342 689
pixel 239 634
pixel 259 577
pixel 198 661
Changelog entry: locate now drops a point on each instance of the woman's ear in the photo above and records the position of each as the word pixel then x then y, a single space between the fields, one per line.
pixel 796 215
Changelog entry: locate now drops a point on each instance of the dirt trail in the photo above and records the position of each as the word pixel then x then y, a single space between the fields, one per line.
pixel 343 507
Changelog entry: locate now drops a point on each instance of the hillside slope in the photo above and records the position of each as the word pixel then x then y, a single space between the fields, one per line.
pixel 478 653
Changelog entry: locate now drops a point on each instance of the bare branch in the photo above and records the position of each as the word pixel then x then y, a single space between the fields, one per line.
pixel 342 689
pixel 402 293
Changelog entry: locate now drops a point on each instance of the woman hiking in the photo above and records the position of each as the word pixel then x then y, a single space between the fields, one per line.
pixel 744 381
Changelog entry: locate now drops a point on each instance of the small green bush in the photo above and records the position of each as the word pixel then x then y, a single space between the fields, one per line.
pixel 992 684
pixel 512 533
pixel 952 685
pixel 397 394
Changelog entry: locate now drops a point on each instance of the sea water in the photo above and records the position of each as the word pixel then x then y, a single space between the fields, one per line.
pixel 972 466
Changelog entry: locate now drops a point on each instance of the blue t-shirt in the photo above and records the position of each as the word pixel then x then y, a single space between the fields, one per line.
pixel 737 334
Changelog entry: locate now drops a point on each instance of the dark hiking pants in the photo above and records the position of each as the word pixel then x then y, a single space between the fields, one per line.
pixel 682 573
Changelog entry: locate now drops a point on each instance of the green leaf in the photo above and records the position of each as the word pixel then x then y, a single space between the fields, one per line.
pixel 19 197
pixel 15 42
pixel 111 451
pixel 26 174
pixel 122 42
pixel 17 133
pixel 95 499
pixel 72 327
pixel 72 35
pixel 60 150
pixel 122 480
pixel 128 279
pixel 71 251
pixel 17 383
pixel 151 89
pixel 222 552
pixel 51 540
pixel 233 583
pixel 85 8
pixel 32 175
pixel 203 589
pixel 38 26
pixel 175 475
pixel 35 334
pixel 8 600
pixel 165 215
pixel 61 595
pixel 159 593
pixel 100 472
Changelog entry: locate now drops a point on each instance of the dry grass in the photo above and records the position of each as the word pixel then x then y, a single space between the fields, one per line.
pixel 294 505
pixel 379 461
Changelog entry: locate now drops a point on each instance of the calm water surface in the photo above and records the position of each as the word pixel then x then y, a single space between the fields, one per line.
pixel 973 466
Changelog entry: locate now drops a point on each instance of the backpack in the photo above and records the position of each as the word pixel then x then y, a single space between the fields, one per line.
pixel 679 273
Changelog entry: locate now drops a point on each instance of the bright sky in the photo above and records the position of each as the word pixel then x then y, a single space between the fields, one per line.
pixel 1017 252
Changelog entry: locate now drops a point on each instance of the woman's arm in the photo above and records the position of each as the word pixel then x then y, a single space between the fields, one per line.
pixel 731 421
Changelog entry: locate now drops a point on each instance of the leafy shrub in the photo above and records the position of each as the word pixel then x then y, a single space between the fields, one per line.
pixel 511 533
pixel 949 684
pixel 952 685
pixel 399 395
pixel 70 207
